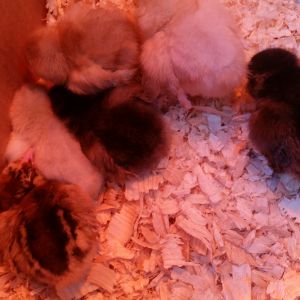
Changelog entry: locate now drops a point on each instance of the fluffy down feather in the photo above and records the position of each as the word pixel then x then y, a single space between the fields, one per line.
pixel 49 233
pixel 275 131
pixel 274 73
pixel 114 127
pixel 274 80
pixel 88 49
pixel 56 153
pixel 190 48
pixel 16 180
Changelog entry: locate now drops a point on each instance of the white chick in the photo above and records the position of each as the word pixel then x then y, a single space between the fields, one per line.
pixel 87 49
pixel 191 48
pixel 57 154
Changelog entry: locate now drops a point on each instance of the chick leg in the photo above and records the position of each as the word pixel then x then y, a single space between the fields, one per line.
pixel 180 93
pixel 183 100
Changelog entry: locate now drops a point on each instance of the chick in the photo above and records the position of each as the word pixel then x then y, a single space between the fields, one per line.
pixel 274 81
pixel 133 134
pixel 58 154
pixel 115 128
pixel 49 235
pixel 191 48
pixel 274 73
pixel 88 49
pixel 275 131
pixel 16 180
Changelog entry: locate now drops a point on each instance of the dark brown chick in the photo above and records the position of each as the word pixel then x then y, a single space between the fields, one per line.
pixel 115 128
pixel 275 132
pixel 50 235
pixel 274 73
pixel 274 81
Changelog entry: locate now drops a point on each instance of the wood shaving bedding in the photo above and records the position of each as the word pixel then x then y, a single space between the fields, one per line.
pixel 213 221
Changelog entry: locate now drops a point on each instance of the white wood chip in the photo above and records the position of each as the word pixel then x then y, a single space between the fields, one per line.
pixel 237 255
pixel 158 222
pixel 172 251
pixel 209 185
pixel 121 225
pixel 196 230
pixel 237 286
pixel 288 288
pixel 103 277
pixel 181 291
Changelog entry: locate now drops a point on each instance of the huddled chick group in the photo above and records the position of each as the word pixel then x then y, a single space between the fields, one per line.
pixel 104 73
pixel 90 113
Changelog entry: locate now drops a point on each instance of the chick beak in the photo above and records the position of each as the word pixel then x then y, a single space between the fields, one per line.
pixel 47 84
pixel 28 156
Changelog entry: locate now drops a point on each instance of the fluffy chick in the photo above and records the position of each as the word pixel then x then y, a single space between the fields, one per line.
pixel 49 235
pixel 16 180
pixel 114 127
pixel 275 131
pixel 274 80
pixel 87 49
pixel 274 73
pixel 58 154
pixel 191 48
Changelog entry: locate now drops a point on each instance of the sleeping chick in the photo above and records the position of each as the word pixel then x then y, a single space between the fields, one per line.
pixel 191 48
pixel 57 154
pixel 114 127
pixel 274 73
pixel 50 234
pixel 88 49
pixel 275 131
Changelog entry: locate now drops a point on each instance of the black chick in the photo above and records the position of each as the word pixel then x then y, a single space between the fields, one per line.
pixel 274 73
pixel 275 132
pixel 274 80
pixel 49 235
pixel 115 128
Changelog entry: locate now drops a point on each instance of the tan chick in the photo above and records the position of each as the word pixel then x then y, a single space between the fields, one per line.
pixel 87 49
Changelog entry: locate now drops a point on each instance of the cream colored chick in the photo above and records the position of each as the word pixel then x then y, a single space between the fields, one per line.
pixel 191 48
pixel 57 154
pixel 86 50
pixel 50 233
